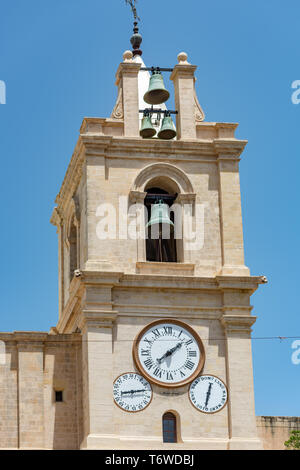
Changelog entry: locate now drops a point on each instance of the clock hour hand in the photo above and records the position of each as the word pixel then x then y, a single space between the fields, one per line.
pixel 132 392
pixel 169 352
pixel 208 394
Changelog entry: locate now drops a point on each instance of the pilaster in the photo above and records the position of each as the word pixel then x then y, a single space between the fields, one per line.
pixel 241 410
pixel 127 73
pixel 183 78
pixel 31 392
pixel 231 218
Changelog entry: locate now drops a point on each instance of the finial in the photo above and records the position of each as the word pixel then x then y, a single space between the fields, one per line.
pixel 182 58
pixel 136 38
pixel 127 56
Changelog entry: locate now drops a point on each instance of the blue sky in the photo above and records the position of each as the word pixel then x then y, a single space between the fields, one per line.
pixel 58 60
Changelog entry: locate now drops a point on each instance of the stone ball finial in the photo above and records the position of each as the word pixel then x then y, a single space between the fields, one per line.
pixel 127 56
pixel 182 58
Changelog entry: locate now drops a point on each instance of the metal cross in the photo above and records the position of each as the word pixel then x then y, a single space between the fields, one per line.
pixel 133 8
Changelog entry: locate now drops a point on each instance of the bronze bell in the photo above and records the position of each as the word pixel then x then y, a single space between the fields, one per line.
pixel 147 130
pixel 160 215
pixel 167 130
pixel 157 92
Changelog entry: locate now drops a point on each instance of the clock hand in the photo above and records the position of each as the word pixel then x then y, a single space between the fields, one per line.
pixel 169 352
pixel 133 391
pixel 208 393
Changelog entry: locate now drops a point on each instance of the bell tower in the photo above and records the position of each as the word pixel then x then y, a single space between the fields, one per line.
pixel 152 273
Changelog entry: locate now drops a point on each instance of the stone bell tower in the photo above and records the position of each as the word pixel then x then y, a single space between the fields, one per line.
pixel 112 291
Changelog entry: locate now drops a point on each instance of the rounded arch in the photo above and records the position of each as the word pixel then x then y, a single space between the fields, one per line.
pixel 163 174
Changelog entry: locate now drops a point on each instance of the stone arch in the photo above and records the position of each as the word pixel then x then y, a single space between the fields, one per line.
pixel 172 175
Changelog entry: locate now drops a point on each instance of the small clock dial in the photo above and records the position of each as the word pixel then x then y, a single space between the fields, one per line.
pixel 132 392
pixel 169 353
pixel 208 394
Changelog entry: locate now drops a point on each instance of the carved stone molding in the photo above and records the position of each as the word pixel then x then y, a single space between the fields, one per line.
pixel 118 111
pixel 162 170
pixel 238 323
pixel 199 113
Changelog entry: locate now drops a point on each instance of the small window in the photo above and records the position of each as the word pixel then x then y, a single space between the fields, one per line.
pixel 58 396
pixel 169 428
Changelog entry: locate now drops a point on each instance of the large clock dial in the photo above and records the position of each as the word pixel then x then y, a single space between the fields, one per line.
pixel 208 394
pixel 132 392
pixel 169 353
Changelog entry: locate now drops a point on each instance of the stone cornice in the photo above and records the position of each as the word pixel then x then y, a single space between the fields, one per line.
pixel 115 278
pixel 238 323
pixel 38 338
pixel 105 311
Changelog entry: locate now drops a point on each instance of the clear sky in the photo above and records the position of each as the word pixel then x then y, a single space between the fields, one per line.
pixel 58 60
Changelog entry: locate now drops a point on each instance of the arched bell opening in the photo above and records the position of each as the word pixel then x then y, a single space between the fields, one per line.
pixel 161 244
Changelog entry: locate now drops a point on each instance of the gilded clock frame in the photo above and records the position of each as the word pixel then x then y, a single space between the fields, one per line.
pixel 143 372
pixel 136 411
pixel 213 412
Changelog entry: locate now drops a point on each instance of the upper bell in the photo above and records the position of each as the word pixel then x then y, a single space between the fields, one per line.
pixel 160 215
pixel 157 92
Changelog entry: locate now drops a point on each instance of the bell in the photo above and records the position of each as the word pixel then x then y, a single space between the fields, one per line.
pixel 147 130
pixel 167 130
pixel 160 215
pixel 157 92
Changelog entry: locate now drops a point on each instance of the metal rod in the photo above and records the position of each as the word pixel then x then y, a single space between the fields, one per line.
pixel 157 111
pixel 161 69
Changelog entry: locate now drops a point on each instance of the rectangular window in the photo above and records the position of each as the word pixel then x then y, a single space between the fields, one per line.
pixel 58 396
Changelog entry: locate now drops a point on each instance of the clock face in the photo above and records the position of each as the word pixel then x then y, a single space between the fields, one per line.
pixel 169 353
pixel 208 394
pixel 132 392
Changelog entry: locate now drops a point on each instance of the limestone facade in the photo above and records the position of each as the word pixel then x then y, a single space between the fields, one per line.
pixel 108 291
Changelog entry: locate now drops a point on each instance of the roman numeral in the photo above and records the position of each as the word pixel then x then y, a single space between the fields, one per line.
pixel 179 334
pixel 168 330
pixel 148 363
pixel 192 354
pixel 169 376
pixel 145 352
pixel 156 333
pixel 157 372
pixel 189 365
pixel 182 373
pixel 189 342
pixel 148 341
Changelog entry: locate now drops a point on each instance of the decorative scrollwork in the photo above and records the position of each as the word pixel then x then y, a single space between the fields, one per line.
pixel 118 111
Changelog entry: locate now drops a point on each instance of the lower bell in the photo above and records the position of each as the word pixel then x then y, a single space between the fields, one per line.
pixel 167 130
pixel 147 130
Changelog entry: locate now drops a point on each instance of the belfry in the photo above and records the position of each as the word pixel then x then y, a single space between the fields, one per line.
pixel 152 349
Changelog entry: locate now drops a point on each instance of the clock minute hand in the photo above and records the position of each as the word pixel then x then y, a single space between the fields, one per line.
pixel 169 352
